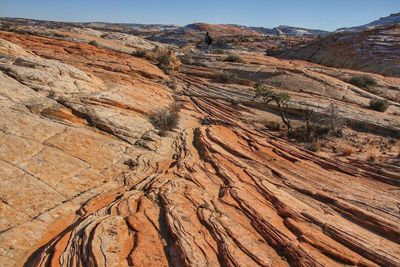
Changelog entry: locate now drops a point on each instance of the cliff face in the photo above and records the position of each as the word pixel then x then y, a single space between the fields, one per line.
pixel 86 180
pixel 376 50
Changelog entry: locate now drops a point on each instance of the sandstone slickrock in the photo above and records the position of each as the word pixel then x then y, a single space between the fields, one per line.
pixel 373 50
pixel 86 181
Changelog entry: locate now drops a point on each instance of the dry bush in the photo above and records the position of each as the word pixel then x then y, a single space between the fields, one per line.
pixel 218 51
pixel 139 53
pixel 273 126
pixel 206 120
pixel 164 58
pixel 363 81
pixel 234 101
pixel 227 77
pixel 173 84
pixel 380 105
pixel 347 151
pixel 233 58
pixel 317 126
pixel 165 119
pixel 371 157
pixel 314 146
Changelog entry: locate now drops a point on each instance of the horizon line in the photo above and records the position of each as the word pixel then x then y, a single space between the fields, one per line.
pixel 171 24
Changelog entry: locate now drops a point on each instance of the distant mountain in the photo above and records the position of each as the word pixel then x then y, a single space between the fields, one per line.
pixel 280 30
pixel 289 31
pixel 217 30
pixel 384 21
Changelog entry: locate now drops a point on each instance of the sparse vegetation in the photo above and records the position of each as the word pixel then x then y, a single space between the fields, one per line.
pixel 392 87
pixel 218 51
pixel 173 84
pixel 316 127
pixel 206 120
pixel 273 126
pixel 234 101
pixel 371 157
pixel 227 77
pixel 165 119
pixel 380 105
pixel 164 58
pixel 363 81
pixel 314 146
pixel 267 94
pixel 139 53
pixel 94 43
pixel 233 58
pixel 333 122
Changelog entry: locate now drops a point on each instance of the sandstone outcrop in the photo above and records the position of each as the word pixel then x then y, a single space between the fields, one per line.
pixel 373 50
pixel 87 181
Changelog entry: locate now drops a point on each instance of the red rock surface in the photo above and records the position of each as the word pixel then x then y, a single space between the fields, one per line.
pixel 77 189
pixel 375 50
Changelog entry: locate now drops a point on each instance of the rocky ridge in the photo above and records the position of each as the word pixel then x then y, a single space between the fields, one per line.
pixel 374 50
pixel 392 19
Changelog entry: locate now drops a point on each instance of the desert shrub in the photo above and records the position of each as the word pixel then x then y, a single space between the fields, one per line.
pixel 371 157
pixel 380 105
pixel 314 146
pixel 164 58
pixel 58 35
pixel 317 126
pixel 333 122
pixel 165 119
pixel 228 77
pixel 363 81
pixel 234 101
pixel 392 87
pixel 94 43
pixel 173 84
pixel 206 120
pixel 139 53
pixel 218 51
pixel 233 58
pixel 321 126
pixel 273 126
pixel 265 94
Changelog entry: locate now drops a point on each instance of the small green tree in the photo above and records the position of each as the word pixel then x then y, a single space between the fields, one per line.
pixel 266 94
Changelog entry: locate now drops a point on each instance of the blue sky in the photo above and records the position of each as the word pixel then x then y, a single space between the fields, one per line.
pixel 322 14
